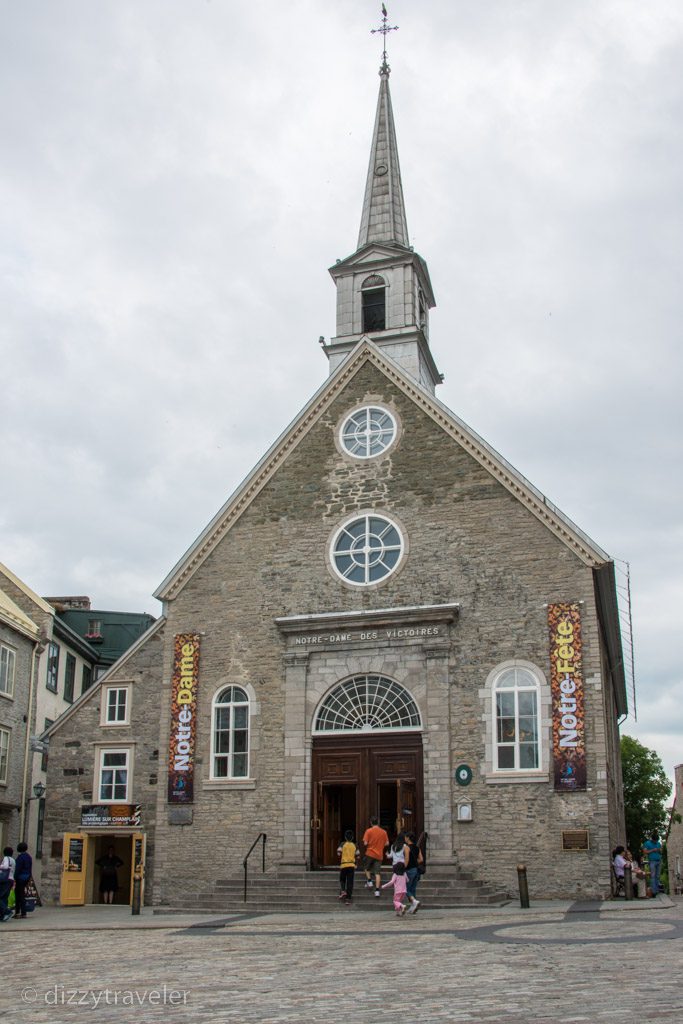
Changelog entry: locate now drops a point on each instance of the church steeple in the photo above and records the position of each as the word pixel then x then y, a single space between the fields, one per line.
pixel 384 213
pixel 383 288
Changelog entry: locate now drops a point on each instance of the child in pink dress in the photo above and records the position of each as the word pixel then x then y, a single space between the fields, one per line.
pixel 399 884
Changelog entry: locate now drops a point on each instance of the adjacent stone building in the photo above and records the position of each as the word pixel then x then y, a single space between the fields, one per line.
pixel 384 618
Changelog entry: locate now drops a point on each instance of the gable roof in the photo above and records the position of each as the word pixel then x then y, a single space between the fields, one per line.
pixel 97 685
pixel 367 352
pixel 30 594
pixel 15 618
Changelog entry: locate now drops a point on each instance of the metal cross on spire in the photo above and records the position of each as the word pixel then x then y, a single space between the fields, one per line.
pixel 384 29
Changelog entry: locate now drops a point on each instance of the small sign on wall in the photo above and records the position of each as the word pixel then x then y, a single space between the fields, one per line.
pixel 575 840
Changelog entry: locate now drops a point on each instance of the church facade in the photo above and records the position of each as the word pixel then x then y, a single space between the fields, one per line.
pixel 384 619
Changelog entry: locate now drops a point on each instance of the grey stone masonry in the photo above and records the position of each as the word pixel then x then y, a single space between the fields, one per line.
pixel 74 758
pixel 469 541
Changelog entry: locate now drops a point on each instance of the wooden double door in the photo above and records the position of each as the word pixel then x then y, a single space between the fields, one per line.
pixel 360 777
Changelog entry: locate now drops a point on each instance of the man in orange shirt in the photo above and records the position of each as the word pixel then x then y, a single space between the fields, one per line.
pixel 376 841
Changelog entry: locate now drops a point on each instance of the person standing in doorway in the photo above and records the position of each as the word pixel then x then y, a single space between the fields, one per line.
pixel 349 853
pixel 22 876
pixel 109 879
pixel 652 848
pixel 375 841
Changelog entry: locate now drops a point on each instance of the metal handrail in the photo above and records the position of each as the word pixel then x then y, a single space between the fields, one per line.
pixel 259 837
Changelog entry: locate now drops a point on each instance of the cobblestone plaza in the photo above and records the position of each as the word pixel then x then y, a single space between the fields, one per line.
pixel 555 963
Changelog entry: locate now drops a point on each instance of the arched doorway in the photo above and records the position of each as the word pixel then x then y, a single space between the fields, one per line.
pixel 367 761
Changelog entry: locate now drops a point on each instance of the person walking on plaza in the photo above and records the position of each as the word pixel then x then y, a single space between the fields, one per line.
pixel 7 866
pixel 349 853
pixel 398 881
pixel 652 848
pixel 413 858
pixel 22 876
pixel 375 841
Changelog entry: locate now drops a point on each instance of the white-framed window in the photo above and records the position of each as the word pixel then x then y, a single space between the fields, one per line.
pixel 367 703
pixel 516 711
pixel 115 705
pixel 7 667
pixel 516 715
pixel 52 666
pixel 366 549
pixel 4 754
pixel 367 432
pixel 230 734
pixel 113 784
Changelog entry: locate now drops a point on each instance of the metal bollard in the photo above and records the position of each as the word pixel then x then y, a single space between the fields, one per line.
pixel 523 886
pixel 137 890
pixel 628 882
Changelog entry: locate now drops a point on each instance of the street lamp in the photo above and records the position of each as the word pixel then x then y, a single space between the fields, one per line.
pixel 38 791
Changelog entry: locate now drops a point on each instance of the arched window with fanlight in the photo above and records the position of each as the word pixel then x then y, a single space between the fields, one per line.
pixel 230 734
pixel 374 306
pixel 367 703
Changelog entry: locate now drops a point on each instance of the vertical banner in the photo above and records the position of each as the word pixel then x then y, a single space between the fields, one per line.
pixel 566 683
pixel 183 738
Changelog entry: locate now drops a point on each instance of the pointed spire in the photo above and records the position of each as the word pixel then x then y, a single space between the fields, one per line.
pixel 384 215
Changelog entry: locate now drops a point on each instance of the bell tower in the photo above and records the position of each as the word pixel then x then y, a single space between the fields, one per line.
pixel 383 288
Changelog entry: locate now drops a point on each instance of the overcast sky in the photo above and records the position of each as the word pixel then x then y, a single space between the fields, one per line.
pixel 178 175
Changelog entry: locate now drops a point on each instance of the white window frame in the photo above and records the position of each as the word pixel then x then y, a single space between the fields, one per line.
pixel 128 767
pixel 487 695
pixel 215 704
pixel 7 733
pixel 53 646
pixel 367 409
pixel 347 701
pixel 367 514
pixel 105 721
pixel 8 657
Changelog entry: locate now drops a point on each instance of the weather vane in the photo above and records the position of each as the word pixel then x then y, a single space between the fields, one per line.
pixel 384 29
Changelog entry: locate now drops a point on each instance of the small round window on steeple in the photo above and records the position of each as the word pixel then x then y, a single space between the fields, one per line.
pixel 368 432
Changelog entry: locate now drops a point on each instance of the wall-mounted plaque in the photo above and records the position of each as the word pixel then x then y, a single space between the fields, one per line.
pixel 575 840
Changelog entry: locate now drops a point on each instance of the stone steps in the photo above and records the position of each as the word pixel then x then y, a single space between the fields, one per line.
pixel 295 890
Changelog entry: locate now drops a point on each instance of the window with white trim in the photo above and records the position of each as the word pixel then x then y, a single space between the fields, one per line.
pixel 230 734
pixel 116 705
pixel 52 666
pixel 366 550
pixel 7 666
pixel 368 432
pixel 367 704
pixel 4 754
pixel 516 721
pixel 114 776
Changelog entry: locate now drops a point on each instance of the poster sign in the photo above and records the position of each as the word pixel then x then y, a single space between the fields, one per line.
pixel 183 737
pixel 566 683
pixel 75 860
pixel 110 815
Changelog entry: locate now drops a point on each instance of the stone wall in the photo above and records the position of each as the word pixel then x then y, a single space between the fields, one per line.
pixel 73 761
pixel 470 541
pixel 13 713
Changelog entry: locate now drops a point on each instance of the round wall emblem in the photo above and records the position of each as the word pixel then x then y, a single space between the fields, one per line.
pixel 381 169
pixel 463 775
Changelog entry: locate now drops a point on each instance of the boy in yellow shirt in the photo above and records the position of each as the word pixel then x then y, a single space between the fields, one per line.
pixel 349 853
